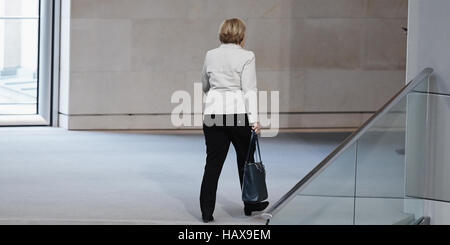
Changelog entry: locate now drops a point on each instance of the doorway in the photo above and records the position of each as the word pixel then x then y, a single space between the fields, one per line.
pixel 27 35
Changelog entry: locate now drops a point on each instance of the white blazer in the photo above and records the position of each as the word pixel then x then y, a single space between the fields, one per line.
pixel 229 82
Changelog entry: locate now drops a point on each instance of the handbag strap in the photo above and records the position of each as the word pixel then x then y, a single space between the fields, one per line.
pixel 257 144
pixel 253 141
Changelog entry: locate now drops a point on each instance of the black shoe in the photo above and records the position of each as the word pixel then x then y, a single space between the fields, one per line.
pixel 207 219
pixel 249 208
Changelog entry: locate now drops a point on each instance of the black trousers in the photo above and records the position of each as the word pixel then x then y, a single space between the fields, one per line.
pixel 218 138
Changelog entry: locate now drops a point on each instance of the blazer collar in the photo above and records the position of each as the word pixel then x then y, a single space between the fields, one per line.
pixel 230 45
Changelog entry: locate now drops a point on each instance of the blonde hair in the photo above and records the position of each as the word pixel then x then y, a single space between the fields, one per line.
pixel 232 31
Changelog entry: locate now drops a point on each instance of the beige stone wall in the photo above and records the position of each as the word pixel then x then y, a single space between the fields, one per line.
pixel 333 61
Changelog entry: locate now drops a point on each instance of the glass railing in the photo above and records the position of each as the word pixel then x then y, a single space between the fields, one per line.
pixel 363 180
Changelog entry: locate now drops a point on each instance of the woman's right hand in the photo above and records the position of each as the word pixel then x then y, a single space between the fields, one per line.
pixel 256 127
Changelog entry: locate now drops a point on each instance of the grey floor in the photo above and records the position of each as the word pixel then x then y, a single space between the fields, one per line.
pixel 53 176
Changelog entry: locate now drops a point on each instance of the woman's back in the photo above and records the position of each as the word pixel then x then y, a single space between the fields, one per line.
pixel 229 80
pixel 224 66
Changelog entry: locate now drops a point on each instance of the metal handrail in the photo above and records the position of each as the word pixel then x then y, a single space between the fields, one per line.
pixel 347 142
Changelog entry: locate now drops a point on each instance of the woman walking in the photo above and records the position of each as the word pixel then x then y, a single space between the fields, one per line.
pixel 231 112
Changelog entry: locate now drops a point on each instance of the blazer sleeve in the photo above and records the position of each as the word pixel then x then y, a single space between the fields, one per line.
pixel 249 88
pixel 205 78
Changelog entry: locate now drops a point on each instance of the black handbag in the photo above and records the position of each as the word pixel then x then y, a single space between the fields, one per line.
pixel 254 187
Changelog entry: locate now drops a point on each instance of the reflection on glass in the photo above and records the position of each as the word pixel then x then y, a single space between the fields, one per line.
pixel 375 180
pixel 381 156
pixel 338 179
pixel 316 210
pixel 380 188
pixel 326 200
pixel 18 56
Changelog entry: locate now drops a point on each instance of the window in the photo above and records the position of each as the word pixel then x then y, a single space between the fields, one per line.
pixel 26 33
pixel 19 27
